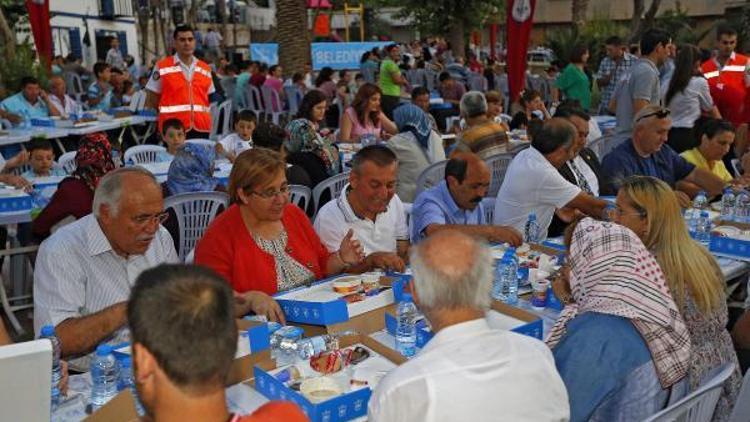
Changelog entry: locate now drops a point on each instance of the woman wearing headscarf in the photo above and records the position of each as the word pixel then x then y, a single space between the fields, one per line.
pixel 621 346
pixel 191 170
pixel 75 194
pixel 416 146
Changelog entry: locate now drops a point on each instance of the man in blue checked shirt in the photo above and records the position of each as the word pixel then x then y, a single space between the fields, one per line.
pixel 456 203
pixel 100 91
pixel 612 68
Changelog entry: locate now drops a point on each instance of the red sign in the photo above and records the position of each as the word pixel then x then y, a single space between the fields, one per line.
pixel 520 20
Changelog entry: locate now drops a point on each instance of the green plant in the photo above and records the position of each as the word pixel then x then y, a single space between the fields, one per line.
pixel 22 64
pixel 677 22
pixel 592 34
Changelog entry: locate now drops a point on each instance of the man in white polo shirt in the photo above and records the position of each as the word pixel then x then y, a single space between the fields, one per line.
pixel 369 206
pixel 533 183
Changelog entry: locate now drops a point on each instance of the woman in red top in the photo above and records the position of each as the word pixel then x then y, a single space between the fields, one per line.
pixel 262 244
pixel 75 194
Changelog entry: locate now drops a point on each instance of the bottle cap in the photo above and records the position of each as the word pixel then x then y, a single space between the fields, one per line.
pixel 47 331
pixel 406 297
pixel 126 362
pixel 103 350
pixel 532 216
pixel 704 213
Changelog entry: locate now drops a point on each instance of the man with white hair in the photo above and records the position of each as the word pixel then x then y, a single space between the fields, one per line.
pixel 468 371
pixel 85 270
pixel 482 136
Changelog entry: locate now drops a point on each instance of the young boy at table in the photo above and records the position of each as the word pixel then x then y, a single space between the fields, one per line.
pixel 242 138
pixel 173 136
pixel 42 160
pixel 99 94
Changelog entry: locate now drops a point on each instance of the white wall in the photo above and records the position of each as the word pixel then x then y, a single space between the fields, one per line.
pixel 69 14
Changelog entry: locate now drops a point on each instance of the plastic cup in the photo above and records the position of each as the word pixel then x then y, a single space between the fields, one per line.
pixel 539 293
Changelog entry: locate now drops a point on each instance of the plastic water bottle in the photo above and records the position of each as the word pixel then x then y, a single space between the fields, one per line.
pixel 284 344
pixel 105 374
pixel 127 381
pixel 701 201
pixel 727 205
pixel 497 282
pixel 742 207
pixel 406 329
pixel 48 332
pixel 703 228
pixel 312 346
pixel 532 231
pixel 510 278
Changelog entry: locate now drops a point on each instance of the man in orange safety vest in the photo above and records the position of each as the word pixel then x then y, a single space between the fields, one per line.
pixel 180 85
pixel 728 76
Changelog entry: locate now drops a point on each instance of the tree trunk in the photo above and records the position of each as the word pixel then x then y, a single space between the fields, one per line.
pixel 578 12
pixel 292 35
pixel 640 22
pixel 143 18
pixel 457 38
pixel 7 37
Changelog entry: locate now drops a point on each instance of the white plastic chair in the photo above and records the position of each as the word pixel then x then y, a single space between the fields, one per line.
pixel 736 166
pixel 334 185
pixel 431 176
pixel 223 114
pixel 271 97
pixel 741 411
pixel 488 204
pixel 699 405
pixel 300 196
pixel 292 98
pixel 194 212
pixel 138 101
pixel 23 168
pixel 253 100
pixel 602 146
pixel 20 301
pixel 143 154
pixel 449 121
pixel 68 161
pixel 498 165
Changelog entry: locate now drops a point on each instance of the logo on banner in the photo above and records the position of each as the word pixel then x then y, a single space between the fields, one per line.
pixel 521 10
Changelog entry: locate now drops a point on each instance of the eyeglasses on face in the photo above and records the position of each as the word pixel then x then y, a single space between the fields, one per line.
pixel 144 219
pixel 271 193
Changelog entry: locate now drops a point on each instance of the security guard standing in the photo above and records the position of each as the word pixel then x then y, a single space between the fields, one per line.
pixel 180 85
pixel 728 76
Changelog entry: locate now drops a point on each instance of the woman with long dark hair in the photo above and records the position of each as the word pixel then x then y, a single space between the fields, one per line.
pixel 306 146
pixel 687 97
pixel 365 117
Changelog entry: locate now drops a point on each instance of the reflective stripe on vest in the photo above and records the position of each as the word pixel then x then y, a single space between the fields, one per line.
pixel 168 70
pixel 733 68
pixel 183 107
pixel 203 72
pixel 709 75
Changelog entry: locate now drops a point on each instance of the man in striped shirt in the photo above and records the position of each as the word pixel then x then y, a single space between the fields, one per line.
pixel 85 270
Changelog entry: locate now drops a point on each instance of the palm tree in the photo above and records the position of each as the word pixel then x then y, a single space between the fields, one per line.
pixel 578 12
pixel 292 35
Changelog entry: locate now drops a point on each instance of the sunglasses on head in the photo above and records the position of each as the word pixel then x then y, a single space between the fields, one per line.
pixel 660 114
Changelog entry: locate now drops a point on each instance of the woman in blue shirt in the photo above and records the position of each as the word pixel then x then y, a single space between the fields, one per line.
pixel 621 347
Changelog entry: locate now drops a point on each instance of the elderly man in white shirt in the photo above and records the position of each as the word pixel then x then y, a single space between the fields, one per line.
pixel 85 270
pixel 59 99
pixel 369 206
pixel 468 371
pixel 533 184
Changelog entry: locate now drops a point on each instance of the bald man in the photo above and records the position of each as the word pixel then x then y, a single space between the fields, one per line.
pixel 533 183
pixel 63 103
pixel 456 203
pixel 483 372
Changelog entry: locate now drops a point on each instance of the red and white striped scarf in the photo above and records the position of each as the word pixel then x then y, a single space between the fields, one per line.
pixel 613 273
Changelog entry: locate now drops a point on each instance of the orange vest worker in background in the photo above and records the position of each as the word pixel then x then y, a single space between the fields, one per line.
pixel 728 76
pixel 180 85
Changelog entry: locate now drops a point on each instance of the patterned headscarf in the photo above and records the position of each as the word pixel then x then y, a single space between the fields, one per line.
pixel 409 117
pixel 304 137
pixel 93 159
pixel 613 273
pixel 192 170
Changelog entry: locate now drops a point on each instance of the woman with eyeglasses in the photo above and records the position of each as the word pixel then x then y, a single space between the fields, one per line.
pixel 262 244
pixel 75 194
pixel 687 96
pixel 649 208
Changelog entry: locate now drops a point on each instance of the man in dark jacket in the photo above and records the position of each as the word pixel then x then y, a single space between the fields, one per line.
pixel 584 170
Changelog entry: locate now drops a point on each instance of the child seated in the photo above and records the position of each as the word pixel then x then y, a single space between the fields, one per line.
pixel 42 160
pixel 242 140
pixel 173 136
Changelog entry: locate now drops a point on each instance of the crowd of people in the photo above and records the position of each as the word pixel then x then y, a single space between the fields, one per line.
pixel 645 317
